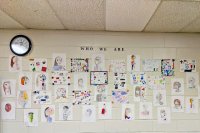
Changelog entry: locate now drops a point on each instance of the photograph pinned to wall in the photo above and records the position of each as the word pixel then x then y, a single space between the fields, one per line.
pixel 133 63
pixel 120 81
pixel 145 110
pixel 138 78
pixel 65 111
pixel 31 117
pixel 139 93
pixel 42 97
pixel 177 103
pixel 25 81
pixel 163 115
pixel 15 63
pixel 98 77
pixel 151 65
pixel 80 81
pixel 120 97
pixel 61 93
pixel 117 66
pixel 48 113
pixel 192 80
pixel 167 67
pixel 41 81
pixel 104 110
pixel 24 99
pixel 156 82
pixel 8 87
pixel 128 112
pixel 98 62
pixel 192 105
pixel 88 113
pixel 59 62
pixel 38 65
pixel 101 92
pixel 188 65
pixel 61 78
pixel 79 65
pixel 81 97
pixel 177 86
pixel 8 110
pixel 159 98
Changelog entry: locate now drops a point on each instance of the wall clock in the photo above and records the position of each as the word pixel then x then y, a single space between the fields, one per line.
pixel 20 45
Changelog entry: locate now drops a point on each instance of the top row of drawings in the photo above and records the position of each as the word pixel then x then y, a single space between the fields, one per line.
pixel 97 63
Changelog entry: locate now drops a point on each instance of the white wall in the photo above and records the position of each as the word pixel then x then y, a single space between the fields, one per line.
pixel 147 45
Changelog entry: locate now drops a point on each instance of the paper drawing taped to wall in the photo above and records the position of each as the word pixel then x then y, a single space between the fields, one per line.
pixel 59 62
pixel 192 80
pixel 167 67
pixel 177 86
pixel 31 117
pixel 8 87
pixel 41 97
pixel 159 98
pixel 138 78
pixel 38 65
pixel 61 78
pixel 98 62
pixel 187 65
pixel 163 115
pixel 48 113
pixel 151 65
pixel 100 93
pixel 177 103
pixel 128 112
pixel 145 110
pixel 88 113
pixel 120 97
pixel 104 110
pixel 98 78
pixel 80 81
pixel 8 110
pixel 41 81
pixel 117 66
pixel 24 99
pixel 15 63
pixel 79 65
pixel 61 93
pixel 120 80
pixel 155 82
pixel 81 97
pixel 65 111
pixel 192 105
pixel 25 81
pixel 139 93
pixel 133 63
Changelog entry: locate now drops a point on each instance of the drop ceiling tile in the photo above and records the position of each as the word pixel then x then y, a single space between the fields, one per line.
pixel 172 16
pixel 6 22
pixel 80 14
pixel 31 13
pixel 129 15
pixel 193 27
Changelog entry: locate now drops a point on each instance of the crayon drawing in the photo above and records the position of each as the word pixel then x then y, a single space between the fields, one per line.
pixel 41 81
pixel 139 93
pixel 151 65
pixel 79 65
pixel 192 105
pixel 61 93
pixel 59 62
pixel 155 82
pixel 167 67
pixel 31 117
pixel 100 93
pixel 128 112
pixel 120 97
pixel 41 97
pixel 48 113
pixel 98 62
pixel 187 65
pixel 8 88
pixel 65 112
pixel 81 97
pixel 192 80
pixel 38 65
pixel 24 99
pixel 104 110
pixel 80 81
pixel 138 78
pixel 98 78
pixel 88 113
pixel 120 80
pixel 177 103
pixel 163 115
pixel 8 110
pixel 117 66
pixel 25 81
pixel 159 98
pixel 15 63
pixel 177 86
pixel 61 78
pixel 133 63
pixel 145 110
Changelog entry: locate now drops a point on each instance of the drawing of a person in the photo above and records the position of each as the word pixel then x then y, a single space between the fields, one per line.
pixel 132 62
pixel 80 83
pixel 88 113
pixel 23 98
pixel 14 63
pixel 66 112
pixel 41 81
pixel 191 82
pixel 61 93
pixel 145 110
pixel 98 63
pixel 8 107
pixel 30 116
pixel 48 112
pixel 58 64
pixel 191 103
pixel 137 91
pixel 159 98
pixel 127 114
pixel 163 115
pixel 24 80
pixel 103 109
pixel 177 86
pixel 7 88
pixel 177 104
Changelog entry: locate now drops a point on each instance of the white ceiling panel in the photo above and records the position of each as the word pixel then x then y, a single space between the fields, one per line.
pixel 129 15
pixel 7 22
pixel 35 14
pixel 172 16
pixel 193 27
pixel 80 14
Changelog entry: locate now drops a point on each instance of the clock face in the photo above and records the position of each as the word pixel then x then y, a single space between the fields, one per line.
pixel 20 45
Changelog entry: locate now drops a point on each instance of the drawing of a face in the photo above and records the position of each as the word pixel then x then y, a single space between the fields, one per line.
pixel 61 92
pixel 23 98
pixel 137 91
pixel 145 110
pixel 24 80
pixel 8 107
pixel 58 61
pixel 163 114
pixel 159 98
pixel 80 83
pixel 177 86
pixel 192 82
pixel 127 113
pixel 177 104
pixel 97 60
pixel 7 87
pixel 30 116
pixel 66 112
pixel 88 113
pixel 48 112
pixel 14 62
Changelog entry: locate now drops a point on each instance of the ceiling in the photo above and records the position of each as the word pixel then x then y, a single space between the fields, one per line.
pixel 102 15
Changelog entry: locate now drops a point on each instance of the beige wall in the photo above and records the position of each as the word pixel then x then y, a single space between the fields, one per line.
pixel 147 45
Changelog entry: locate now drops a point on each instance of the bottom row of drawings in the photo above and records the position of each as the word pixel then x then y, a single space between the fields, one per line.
pixel 89 112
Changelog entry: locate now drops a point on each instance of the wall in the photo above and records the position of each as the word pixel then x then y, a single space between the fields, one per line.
pixel 147 45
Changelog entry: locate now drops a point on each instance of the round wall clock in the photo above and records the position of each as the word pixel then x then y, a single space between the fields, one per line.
pixel 20 45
